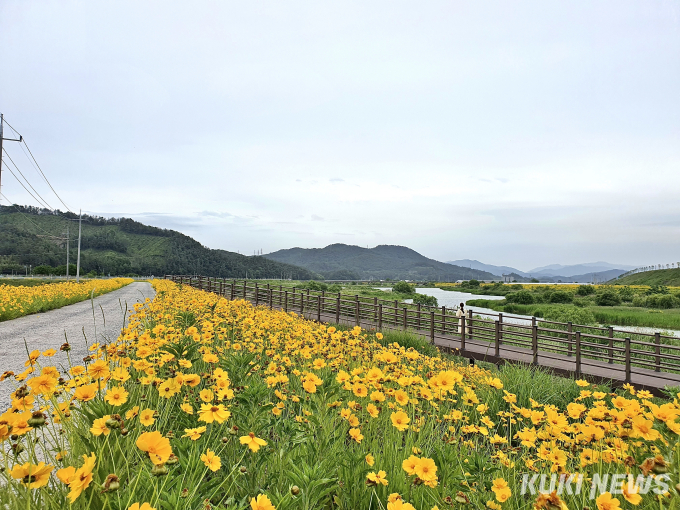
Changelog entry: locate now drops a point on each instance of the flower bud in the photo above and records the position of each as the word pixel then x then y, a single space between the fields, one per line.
pixel 112 423
pixel 243 469
pixel 172 460
pixel 295 490
pixel 160 470
pixel 111 483
pixel 184 493
pixel 37 419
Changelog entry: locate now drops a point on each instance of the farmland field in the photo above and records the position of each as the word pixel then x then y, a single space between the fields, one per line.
pixel 208 403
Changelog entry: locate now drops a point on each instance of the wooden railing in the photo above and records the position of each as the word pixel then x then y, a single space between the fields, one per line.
pixel 647 360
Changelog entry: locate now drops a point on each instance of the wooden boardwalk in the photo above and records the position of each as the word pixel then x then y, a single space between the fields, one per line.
pixel 647 361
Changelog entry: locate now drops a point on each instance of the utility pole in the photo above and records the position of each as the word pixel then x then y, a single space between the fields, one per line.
pixel 80 231
pixel 9 140
pixel 68 242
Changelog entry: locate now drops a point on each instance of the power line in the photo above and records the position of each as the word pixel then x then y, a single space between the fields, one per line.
pixel 29 219
pixel 40 169
pixel 22 175
pixel 22 184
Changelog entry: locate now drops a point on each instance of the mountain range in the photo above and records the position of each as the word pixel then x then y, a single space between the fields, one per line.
pixel 384 262
pixel 579 273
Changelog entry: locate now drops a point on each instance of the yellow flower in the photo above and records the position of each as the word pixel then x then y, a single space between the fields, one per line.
pixel 116 396
pixel 211 461
pixel 78 479
pixel 157 446
pixel 605 501
pixel 210 413
pixel 99 426
pixel 426 469
pixel 206 395
pixel 252 442
pixel 370 460
pixel 356 434
pixel 400 420
pixel 631 491
pixel 378 478
pixel 187 408
pixel 86 393
pixel 143 506
pixel 32 476
pixel 146 417
pixel 195 433
pixel 261 503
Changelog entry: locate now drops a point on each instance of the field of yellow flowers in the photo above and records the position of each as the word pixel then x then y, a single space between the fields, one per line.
pixel 17 301
pixel 205 403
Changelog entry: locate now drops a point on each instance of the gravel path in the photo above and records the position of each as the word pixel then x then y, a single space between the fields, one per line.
pixel 75 322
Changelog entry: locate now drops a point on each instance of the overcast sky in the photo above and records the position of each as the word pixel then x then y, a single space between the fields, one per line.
pixel 517 133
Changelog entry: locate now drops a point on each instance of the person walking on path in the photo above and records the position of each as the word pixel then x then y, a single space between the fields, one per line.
pixel 460 314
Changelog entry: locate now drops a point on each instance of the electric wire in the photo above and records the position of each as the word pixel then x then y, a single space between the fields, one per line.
pixel 40 169
pixel 29 219
pixel 25 179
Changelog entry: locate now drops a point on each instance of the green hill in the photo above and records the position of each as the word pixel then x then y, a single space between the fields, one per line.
pixel 385 262
pixel 668 277
pixel 120 246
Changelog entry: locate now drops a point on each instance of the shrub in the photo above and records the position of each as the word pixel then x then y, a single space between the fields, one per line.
pixel 534 280
pixel 317 286
pixel 43 270
pixel 569 314
pixel 523 297
pixel 639 301
pixel 560 296
pixel 423 299
pixel 585 290
pixel 661 301
pixel 608 298
pixel 626 294
pixel 403 288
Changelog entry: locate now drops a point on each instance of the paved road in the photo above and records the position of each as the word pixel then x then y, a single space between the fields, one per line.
pixel 74 322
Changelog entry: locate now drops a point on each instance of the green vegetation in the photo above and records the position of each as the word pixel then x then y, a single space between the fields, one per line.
pixel 404 288
pixel 670 277
pixel 120 246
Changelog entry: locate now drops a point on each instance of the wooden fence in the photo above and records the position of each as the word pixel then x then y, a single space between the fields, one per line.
pixel 649 361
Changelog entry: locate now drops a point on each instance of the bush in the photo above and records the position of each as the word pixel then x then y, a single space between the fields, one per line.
pixel 569 314
pixel 423 299
pixel 317 286
pixel 44 270
pixel 639 301
pixel 626 294
pixel 608 298
pixel 581 303
pixel 403 288
pixel 585 290
pixel 661 301
pixel 560 296
pixel 534 280
pixel 523 297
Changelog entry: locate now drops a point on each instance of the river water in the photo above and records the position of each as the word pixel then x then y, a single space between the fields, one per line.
pixel 453 299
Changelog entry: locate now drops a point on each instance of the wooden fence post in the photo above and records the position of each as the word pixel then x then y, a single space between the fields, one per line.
pixel 443 320
pixel 500 329
pixel 432 327
pixel 462 332
pixel 471 323
pixel 611 344
pixel 569 330
pixel 232 291
pixel 337 309
pixel 628 371
pixel 285 301
pixel 534 342
pixel 245 290
pixel 578 354
pixel 375 310
pixel 380 310
pixel 318 308
pixel 356 309
pixel 657 361
pixel 280 294
pixel 405 319
pixel 302 304
pixel 270 291
pixel 418 318
pixel 257 295
pixel 497 338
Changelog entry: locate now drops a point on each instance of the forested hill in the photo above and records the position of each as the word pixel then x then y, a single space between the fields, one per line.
pixel 345 262
pixel 120 246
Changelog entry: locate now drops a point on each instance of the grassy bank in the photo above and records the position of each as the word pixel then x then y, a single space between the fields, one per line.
pixel 668 277
pixel 606 315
